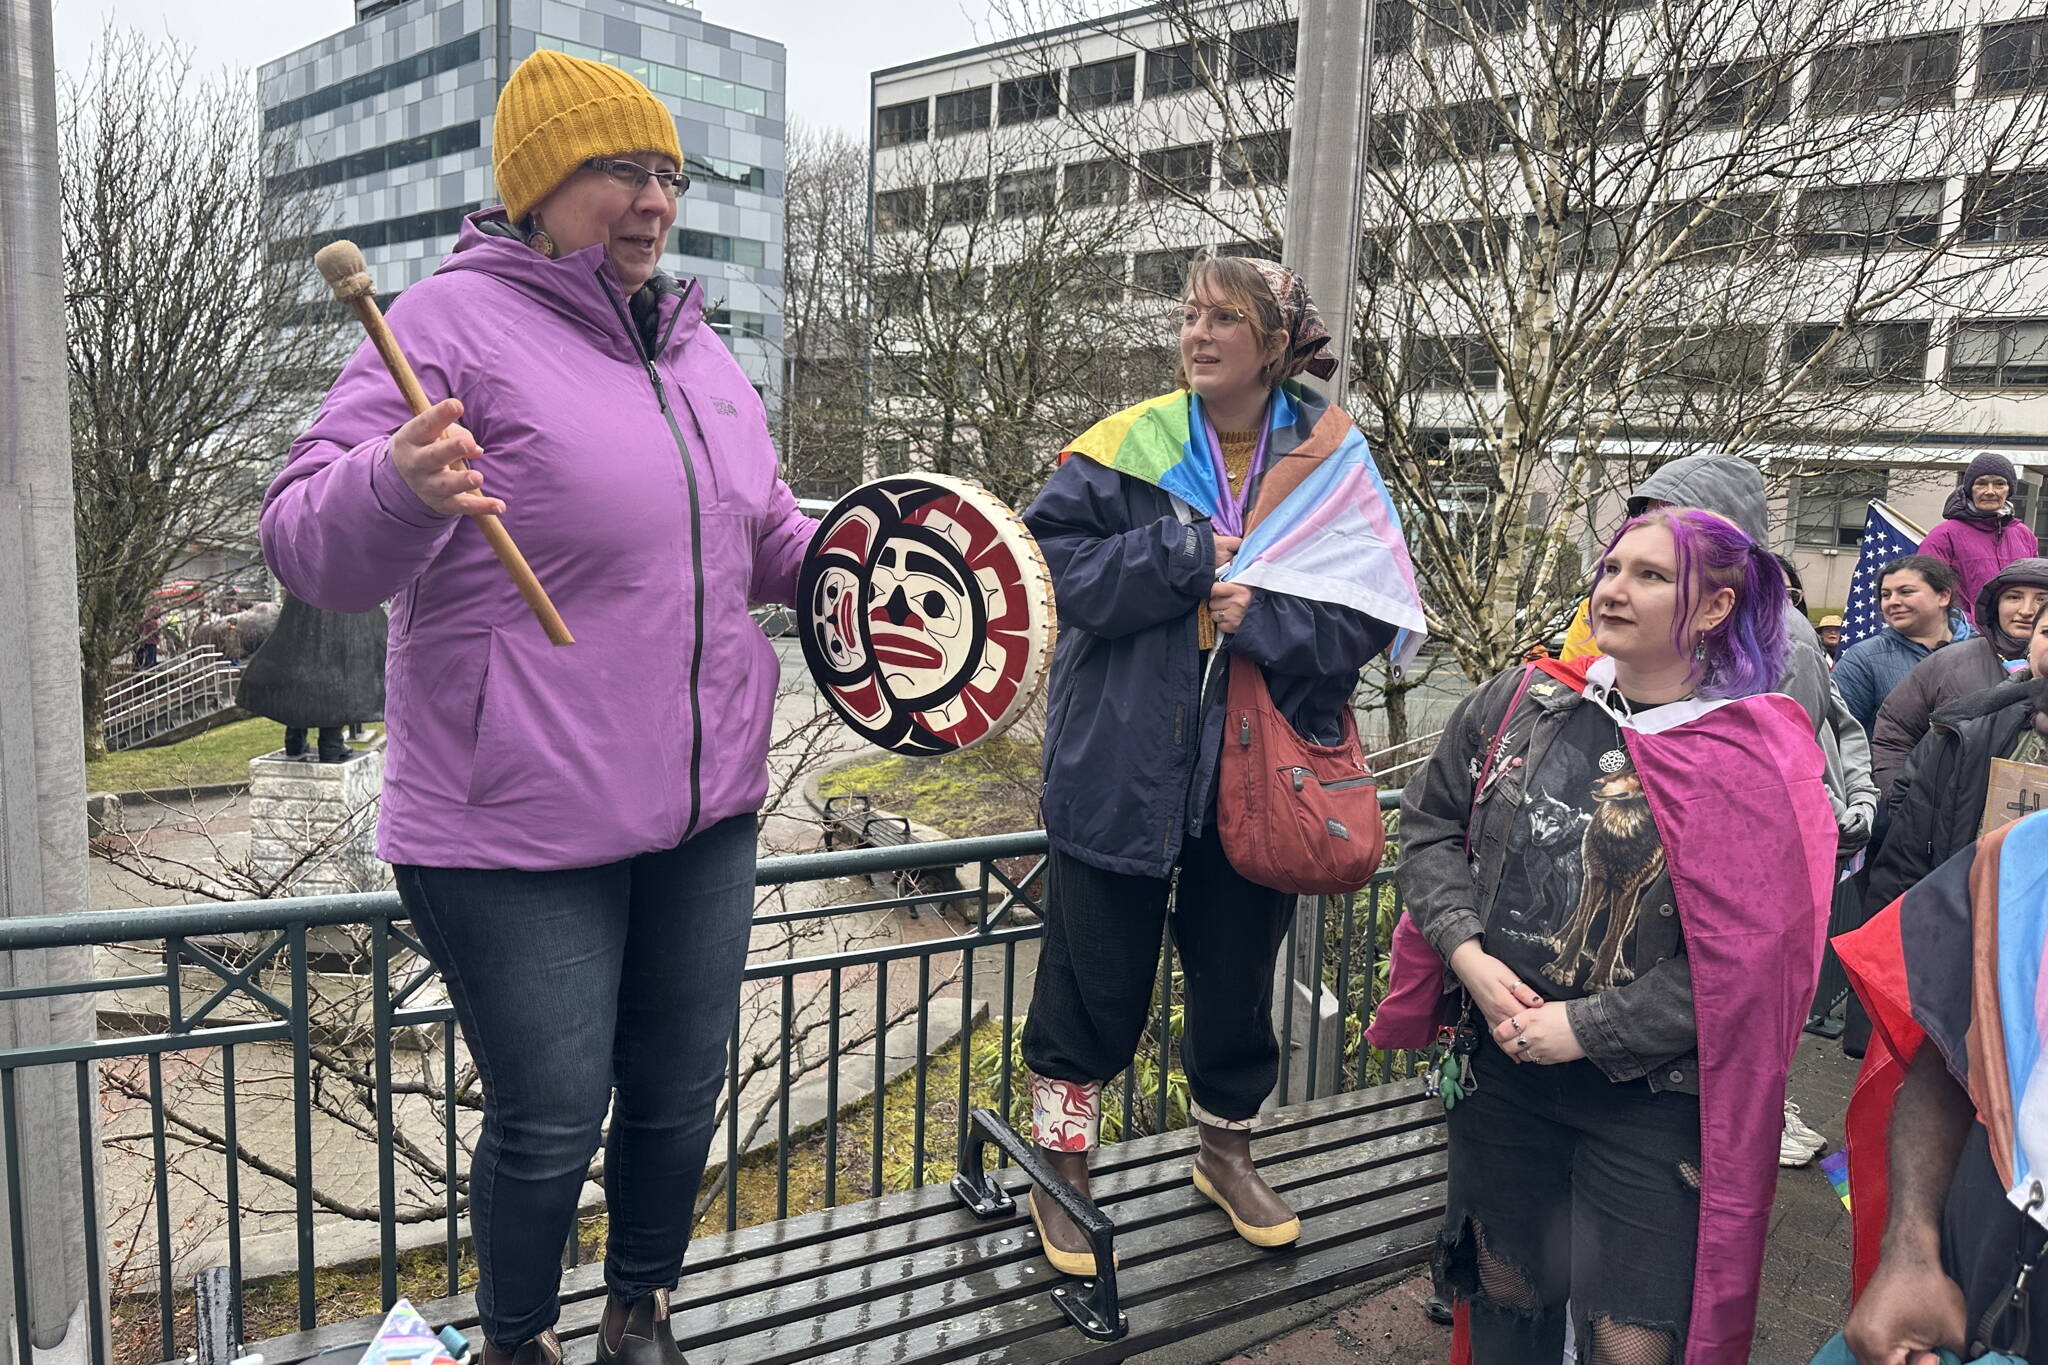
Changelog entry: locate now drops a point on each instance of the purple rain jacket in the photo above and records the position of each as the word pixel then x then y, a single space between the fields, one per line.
pixel 640 483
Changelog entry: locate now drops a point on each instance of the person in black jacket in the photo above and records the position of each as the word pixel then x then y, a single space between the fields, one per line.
pixel 1131 748
pixel 1938 802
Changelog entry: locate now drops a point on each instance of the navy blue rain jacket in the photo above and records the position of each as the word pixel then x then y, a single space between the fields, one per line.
pixel 1130 751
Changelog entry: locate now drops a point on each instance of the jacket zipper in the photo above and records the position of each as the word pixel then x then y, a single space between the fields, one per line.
pixel 696 543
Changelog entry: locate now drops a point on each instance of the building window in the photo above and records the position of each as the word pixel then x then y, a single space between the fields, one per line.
pixel 959 201
pixel 1174 170
pixel 434 225
pixel 1267 50
pixel 2015 57
pixel 1740 225
pixel 1377 253
pixel 732 324
pixel 898 296
pixel 1452 21
pixel 1028 98
pixel 1393 26
pixel 669 80
pixel 1102 83
pixel 1024 192
pixel 1613 111
pixel 1452 362
pixel 1452 250
pixel 958 290
pixel 1735 93
pixel 1869 353
pixel 963 111
pixel 898 124
pixel 899 210
pixel 720 171
pixel 465 137
pixel 711 246
pixel 1247 250
pixel 1830 507
pixel 1096 182
pixel 2008 207
pixel 1584 237
pixel 1725 357
pixel 2000 354
pixel 1909 73
pixel 1387 139
pixel 1096 279
pixel 1177 67
pixel 1258 159
pixel 1472 128
pixel 418 67
pixel 1871 217
pixel 1163 273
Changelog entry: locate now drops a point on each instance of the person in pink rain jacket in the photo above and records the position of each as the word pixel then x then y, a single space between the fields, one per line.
pixel 1979 532
pixel 572 829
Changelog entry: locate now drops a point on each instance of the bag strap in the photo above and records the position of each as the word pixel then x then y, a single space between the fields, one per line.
pixel 1493 750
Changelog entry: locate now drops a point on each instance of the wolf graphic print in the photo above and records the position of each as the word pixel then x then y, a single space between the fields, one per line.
pixel 1588 860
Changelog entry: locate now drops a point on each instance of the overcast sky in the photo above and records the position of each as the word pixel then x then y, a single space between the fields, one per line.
pixel 833 44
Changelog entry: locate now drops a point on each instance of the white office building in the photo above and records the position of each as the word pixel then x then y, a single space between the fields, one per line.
pixel 1955 377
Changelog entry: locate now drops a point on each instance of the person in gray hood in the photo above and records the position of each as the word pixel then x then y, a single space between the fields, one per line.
pixel 1734 488
pixel 2006 610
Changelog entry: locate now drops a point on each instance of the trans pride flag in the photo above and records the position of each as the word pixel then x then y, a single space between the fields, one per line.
pixel 1323 526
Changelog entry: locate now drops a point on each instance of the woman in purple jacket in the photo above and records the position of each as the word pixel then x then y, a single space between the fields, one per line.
pixel 1979 533
pixel 573 830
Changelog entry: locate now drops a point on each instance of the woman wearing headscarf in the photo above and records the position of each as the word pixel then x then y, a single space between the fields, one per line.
pixel 1133 734
pixel 1617 876
pixel 1979 533
pixel 572 829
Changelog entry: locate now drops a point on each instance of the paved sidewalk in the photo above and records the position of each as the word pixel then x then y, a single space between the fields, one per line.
pixel 1806 1264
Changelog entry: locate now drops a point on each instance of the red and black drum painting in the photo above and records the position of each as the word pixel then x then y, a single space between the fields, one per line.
pixel 926 613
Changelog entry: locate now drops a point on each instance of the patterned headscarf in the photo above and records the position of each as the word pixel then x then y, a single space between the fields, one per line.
pixel 1306 335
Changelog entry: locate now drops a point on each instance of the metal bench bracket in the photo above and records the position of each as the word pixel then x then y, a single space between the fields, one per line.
pixel 1091 1305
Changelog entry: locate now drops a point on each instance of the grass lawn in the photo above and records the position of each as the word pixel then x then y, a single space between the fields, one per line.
pixel 219 755
pixel 990 789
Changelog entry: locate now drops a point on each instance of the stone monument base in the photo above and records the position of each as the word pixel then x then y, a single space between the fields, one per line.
pixel 312 825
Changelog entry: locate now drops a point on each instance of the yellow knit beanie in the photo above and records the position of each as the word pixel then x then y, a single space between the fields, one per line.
pixel 559 111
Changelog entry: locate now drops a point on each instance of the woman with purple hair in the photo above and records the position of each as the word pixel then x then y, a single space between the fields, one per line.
pixel 1623 866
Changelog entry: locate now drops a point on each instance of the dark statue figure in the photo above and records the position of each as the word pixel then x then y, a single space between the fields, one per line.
pixel 319 670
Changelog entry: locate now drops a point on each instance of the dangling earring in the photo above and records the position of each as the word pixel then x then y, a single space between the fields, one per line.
pixel 539 240
pixel 1699 650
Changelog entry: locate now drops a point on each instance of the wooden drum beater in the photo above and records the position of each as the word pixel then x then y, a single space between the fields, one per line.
pixel 342 266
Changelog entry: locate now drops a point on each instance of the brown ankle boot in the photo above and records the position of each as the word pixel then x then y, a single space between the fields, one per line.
pixel 1065 1245
pixel 637 1332
pixel 1224 1172
pixel 541 1350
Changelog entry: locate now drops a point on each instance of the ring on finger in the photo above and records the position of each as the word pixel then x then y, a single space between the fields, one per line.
pixel 1523 1043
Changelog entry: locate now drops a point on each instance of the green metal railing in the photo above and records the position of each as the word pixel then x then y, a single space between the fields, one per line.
pixel 333 999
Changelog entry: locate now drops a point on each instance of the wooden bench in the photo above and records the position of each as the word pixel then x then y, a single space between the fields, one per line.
pixel 916 1277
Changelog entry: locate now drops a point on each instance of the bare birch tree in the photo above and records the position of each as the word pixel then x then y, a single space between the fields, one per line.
pixel 1602 233
pixel 188 370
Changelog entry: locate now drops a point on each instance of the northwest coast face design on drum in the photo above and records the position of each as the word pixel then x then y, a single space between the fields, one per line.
pixel 918 622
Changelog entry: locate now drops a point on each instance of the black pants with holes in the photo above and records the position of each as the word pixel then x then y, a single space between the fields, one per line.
pixel 1566 1187
pixel 1096 974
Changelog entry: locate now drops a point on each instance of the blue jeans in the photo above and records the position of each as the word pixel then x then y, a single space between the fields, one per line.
pixel 568 986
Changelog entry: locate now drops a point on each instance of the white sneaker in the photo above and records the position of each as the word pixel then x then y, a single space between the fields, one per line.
pixel 1798 1144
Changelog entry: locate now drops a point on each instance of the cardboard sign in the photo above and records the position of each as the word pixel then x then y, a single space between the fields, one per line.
pixel 2015 789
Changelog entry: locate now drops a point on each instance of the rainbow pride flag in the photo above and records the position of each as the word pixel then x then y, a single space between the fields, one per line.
pixel 1332 533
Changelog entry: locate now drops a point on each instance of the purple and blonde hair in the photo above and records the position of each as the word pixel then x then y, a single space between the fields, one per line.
pixel 1745 654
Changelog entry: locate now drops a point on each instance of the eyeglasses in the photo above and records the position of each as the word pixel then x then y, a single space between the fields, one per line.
pixel 635 176
pixel 1221 320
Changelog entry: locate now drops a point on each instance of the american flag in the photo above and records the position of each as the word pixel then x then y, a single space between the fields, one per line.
pixel 1886 536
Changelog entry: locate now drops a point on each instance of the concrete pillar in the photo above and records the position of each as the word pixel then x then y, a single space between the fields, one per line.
pixel 42 743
